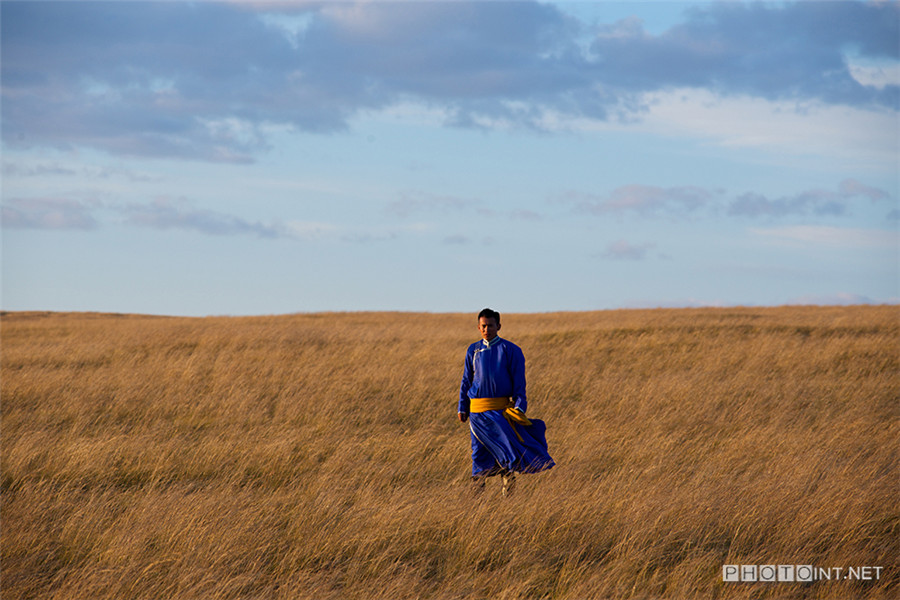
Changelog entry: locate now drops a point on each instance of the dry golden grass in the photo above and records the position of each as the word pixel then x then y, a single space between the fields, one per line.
pixel 319 456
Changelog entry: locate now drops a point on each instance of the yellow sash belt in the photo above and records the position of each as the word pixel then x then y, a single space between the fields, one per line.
pixel 510 413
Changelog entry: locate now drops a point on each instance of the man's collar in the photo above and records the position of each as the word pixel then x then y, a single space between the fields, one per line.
pixel 491 343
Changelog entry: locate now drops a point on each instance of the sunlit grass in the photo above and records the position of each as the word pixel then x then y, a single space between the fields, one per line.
pixel 319 456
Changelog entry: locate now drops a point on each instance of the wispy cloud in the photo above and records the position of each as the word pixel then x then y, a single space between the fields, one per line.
pixel 419 202
pixel 456 240
pixel 653 201
pixel 128 78
pixel 623 250
pixel 859 134
pixel 179 214
pixel 644 200
pixel 850 188
pixel 54 169
pixel 837 299
pixel 816 201
pixel 677 303
pixel 846 237
pixel 11 169
pixel 523 214
pixel 410 203
pixel 164 213
pixel 48 213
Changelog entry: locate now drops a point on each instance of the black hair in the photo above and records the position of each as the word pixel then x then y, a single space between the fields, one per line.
pixel 488 313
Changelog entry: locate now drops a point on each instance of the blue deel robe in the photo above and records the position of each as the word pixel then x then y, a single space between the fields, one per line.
pixel 497 370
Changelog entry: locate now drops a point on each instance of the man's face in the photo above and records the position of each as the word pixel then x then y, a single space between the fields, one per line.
pixel 488 326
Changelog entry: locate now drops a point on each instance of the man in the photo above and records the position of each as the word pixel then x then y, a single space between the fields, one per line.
pixel 492 399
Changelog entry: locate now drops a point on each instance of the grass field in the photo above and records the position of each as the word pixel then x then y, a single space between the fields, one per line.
pixel 319 456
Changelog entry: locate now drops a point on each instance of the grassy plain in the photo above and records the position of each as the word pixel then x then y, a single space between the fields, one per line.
pixel 319 456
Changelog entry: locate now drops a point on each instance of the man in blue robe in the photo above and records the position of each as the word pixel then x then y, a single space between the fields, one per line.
pixel 492 399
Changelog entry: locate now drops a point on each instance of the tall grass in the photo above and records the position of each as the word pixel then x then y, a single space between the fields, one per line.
pixel 319 456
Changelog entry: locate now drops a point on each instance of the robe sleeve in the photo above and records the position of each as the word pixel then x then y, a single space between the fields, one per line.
pixel 517 373
pixel 466 383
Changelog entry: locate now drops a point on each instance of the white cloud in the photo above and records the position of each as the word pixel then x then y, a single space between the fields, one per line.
pixel 831 236
pixel 865 136
pixel 877 76
pixel 293 27
pixel 753 122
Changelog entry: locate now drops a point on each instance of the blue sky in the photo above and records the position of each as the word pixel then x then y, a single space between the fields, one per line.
pixel 267 157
